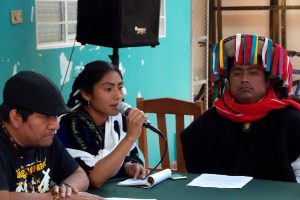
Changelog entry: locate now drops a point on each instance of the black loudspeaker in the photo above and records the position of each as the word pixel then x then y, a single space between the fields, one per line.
pixel 118 23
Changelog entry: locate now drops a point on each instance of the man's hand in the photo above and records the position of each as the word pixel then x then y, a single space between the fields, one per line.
pixel 63 190
pixel 86 196
pixel 79 196
pixel 135 170
pixel 5 194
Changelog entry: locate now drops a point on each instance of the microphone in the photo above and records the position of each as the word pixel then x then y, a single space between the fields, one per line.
pixel 124 109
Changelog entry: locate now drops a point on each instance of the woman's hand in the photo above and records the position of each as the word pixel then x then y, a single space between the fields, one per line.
pixel 135 120
pixel 135 170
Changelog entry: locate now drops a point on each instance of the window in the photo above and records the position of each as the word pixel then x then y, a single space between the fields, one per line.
pixel 162 19
pixel 56 23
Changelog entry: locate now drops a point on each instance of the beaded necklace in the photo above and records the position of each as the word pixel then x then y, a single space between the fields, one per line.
pixel 32 186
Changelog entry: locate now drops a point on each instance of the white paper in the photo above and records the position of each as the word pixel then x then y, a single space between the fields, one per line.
pixel 134 182
pixel 160 176
pixel 220 181
pixel 296 168
pixel 149 181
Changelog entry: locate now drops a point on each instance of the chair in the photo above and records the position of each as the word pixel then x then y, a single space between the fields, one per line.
pixel 161 107
pixel 296 94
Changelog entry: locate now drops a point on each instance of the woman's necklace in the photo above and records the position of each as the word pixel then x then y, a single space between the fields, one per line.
pixel 30 174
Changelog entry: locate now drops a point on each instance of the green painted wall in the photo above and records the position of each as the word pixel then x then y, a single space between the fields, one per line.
pixel 163 71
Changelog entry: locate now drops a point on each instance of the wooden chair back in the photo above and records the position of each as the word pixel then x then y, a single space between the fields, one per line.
pixel 161 107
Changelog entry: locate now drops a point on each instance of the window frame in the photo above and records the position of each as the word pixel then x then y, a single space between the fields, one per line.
pixel 162 17
pixel 67 39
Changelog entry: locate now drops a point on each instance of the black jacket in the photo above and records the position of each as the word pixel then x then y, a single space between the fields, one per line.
pixel 214 144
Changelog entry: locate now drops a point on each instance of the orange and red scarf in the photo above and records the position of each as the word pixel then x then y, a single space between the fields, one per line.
pixel 246 113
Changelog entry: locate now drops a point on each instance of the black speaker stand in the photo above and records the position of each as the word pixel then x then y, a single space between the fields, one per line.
pixel 115 57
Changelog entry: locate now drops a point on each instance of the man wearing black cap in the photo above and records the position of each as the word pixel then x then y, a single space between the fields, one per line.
pixel 254 127
pixel 33 162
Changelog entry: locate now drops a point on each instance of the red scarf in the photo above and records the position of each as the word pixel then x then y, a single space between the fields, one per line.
pixel 246 113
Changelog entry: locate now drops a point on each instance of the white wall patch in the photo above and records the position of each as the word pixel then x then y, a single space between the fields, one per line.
pixel 142 62
pixel 63 63
pixel 81 47
pixel 15 69
pixel 139 95
pixel 78 69
pixel 124 90
pixel 32 14
pixel 121 68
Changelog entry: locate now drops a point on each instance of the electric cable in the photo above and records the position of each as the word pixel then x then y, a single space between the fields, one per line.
pixel 71 55
pixel 165 150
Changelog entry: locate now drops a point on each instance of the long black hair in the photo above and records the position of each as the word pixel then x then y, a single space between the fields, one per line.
pixel 92 73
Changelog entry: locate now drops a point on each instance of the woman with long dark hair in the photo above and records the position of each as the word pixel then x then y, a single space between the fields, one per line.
pixel 95 133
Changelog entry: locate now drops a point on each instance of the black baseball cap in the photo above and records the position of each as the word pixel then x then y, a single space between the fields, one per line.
pixel 33 92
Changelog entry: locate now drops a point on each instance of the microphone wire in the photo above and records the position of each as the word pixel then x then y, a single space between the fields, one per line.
pixel 165 151
pixel 123 108
pixel 70 58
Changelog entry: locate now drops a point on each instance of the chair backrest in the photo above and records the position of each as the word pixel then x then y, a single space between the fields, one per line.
pixel 296 83
pixel 161 107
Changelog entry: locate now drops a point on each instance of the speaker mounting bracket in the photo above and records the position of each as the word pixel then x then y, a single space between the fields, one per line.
pixel 115 57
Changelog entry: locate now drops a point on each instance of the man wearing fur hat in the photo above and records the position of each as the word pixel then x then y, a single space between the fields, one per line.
pixel 253 128
pixel 33 162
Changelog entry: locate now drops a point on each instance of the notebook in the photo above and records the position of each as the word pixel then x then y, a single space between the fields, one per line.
pixel 150 181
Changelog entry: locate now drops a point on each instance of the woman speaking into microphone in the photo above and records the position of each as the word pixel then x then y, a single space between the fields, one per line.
pixel 95 133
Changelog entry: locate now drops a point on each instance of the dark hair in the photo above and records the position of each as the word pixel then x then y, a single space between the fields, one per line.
pixel 5 110
pixel 93 73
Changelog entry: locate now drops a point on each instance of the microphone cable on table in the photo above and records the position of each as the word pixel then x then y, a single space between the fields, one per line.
pixel 160 134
